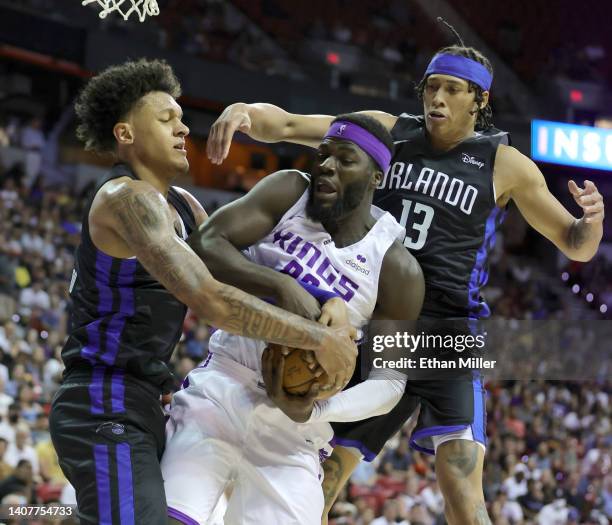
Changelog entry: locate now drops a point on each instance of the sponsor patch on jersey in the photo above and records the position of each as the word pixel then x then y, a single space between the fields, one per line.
pixel 357 266
pixel 473 160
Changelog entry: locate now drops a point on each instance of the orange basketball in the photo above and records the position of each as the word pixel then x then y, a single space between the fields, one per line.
pixel 297 377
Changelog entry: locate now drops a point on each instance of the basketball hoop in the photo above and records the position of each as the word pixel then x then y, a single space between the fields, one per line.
pixel 141 7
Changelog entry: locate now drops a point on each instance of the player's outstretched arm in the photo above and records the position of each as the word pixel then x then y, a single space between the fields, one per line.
pixel 578 239
pixel 241 224
pixel 138 215
pixel 269 123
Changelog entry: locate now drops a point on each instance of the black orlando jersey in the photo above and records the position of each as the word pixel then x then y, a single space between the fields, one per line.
pixel 123 320
pixel 446 202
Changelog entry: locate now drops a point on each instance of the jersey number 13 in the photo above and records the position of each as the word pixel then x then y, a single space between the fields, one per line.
pixel 420 221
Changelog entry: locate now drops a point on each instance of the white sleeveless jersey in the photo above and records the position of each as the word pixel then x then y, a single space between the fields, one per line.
pixel 304 250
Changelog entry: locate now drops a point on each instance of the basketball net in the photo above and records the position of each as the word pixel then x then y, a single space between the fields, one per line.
pixel 141 7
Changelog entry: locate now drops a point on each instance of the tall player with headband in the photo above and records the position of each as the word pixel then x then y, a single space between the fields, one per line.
pixel 449 185
pixel 322 231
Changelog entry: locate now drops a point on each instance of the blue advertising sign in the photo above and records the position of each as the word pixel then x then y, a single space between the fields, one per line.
pixel 571 145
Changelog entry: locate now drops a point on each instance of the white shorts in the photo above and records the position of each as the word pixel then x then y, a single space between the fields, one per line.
pixel 223 429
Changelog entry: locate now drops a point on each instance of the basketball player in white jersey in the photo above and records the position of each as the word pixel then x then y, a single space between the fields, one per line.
pixel 324 233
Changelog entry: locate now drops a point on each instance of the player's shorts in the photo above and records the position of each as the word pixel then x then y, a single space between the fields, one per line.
pixel 452 408
pixel 108 431
pixel 223 429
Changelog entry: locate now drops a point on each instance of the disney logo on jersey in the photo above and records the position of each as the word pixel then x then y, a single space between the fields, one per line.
pixel 469 159
pixel 357 266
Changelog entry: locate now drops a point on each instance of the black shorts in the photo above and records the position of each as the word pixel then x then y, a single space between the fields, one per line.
pixel 447 406
pixel 109 437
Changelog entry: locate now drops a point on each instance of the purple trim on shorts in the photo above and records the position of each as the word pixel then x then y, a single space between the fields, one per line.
pixel 126 488
pixel 96 389
pixel 179 516
pixel 103 484
pixel 432 431
pixel 118 390
pixel 368 455
pixel 206 361
pixel 479 425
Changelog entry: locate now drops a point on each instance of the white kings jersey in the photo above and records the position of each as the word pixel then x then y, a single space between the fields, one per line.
pixel 304 250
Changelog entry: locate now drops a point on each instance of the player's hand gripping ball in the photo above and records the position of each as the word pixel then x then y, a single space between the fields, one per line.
pixel 301 371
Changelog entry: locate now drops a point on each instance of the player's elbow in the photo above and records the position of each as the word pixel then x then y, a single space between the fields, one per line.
pixel 203 244
pixel 581 255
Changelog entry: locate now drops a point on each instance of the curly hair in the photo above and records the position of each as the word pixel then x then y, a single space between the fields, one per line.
pixel 484 116
pixel 111 95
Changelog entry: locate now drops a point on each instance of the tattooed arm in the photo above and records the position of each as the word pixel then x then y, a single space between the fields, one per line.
pixel 137 217
pixel 578 239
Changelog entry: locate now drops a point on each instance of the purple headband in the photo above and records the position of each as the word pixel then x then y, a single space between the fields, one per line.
pixel 341 129
pixel 462 67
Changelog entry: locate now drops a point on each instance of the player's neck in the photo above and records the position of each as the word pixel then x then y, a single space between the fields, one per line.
pixel 351 228
pixel 146 174
pixel 450 141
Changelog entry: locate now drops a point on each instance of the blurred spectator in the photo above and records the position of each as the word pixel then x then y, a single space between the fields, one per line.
pixel 20 483
pixel 5 400
pixel 33 296
pixel 397 461
pixel 21 449
pixel 509 510
pixel 197 346
pixel 32 136
pixel 5 469
pixel 391 515
pixel 432 497
pixel 50 471
pixel 33 141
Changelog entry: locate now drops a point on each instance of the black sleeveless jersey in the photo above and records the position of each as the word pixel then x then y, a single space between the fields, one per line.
pixel 446 202
pixel 122 320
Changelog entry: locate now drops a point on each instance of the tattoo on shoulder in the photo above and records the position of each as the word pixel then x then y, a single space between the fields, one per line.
pixel 463 455
pixel 134 212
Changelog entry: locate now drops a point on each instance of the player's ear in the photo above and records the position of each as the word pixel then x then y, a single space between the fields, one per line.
pixel 376 178
pixel 123 132
pixel 485 99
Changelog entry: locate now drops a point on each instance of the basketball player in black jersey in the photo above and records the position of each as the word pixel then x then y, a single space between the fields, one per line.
pixel 449 185
pixel 133 280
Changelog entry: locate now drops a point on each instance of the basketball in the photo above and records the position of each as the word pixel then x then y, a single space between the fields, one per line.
pixel 297 376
